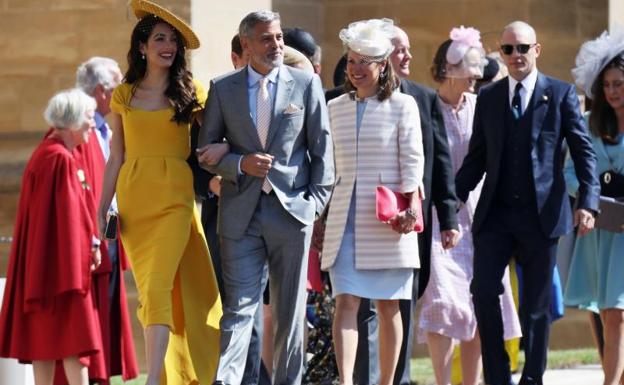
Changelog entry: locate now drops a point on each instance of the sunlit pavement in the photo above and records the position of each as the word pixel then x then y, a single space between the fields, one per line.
pixel 582 375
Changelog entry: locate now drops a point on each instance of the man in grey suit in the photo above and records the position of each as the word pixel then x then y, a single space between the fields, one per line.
pixel 277 179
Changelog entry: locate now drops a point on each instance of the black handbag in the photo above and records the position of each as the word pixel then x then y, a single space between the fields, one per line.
pixel 612 184
pixel 111 228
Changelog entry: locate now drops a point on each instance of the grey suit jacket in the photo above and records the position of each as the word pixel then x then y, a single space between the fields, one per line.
pixel 299 138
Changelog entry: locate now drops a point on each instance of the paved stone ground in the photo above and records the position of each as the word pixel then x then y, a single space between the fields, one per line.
pixel 582 375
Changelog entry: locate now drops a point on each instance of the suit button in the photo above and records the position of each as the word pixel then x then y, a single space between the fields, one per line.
pixel 516 196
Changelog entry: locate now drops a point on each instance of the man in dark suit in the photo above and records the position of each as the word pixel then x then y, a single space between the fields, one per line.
pixel 519 125
pixel 439 191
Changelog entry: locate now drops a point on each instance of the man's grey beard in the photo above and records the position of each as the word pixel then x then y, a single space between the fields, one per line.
pixel 275 62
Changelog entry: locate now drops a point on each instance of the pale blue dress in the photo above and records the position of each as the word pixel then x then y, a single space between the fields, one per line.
pixel 596 275
pixel 373 284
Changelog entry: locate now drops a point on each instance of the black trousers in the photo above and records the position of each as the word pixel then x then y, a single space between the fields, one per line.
pixel 516 231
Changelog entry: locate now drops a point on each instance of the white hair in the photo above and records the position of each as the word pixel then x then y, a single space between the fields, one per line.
pixel 68 108
pixel 95 71
pixel 249 22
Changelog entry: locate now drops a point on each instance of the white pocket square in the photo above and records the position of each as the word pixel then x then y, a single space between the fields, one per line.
pixel 292 109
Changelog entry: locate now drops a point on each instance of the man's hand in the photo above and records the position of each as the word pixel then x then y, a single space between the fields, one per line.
pixel 318 234
pixel 212 153
pixel 96 258
pixel 584 220
pixel 215 185
pixel 257 164
pixel 450 238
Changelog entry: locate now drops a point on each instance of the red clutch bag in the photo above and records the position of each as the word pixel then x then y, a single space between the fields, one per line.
pixel 389 203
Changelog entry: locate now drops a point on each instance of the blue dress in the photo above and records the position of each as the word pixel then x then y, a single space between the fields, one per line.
pixel 372 284
pixel 596 276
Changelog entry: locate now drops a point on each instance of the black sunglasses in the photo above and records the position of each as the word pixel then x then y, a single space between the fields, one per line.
pixel 520 48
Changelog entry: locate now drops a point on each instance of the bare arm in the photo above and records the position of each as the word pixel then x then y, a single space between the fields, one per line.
pixel 116 159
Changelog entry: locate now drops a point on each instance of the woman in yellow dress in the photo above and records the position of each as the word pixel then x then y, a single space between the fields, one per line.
pixel 152 111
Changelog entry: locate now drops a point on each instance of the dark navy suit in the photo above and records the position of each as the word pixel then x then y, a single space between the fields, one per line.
pixel 523 209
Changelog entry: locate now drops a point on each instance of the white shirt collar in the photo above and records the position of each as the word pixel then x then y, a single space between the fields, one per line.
pixel 254 77
pixel 528 83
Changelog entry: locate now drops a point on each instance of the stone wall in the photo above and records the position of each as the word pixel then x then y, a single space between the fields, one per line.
pixel 45 40
pixel 562 25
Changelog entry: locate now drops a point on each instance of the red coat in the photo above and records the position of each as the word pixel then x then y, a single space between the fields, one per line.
pixel 48 312
pixel 116 329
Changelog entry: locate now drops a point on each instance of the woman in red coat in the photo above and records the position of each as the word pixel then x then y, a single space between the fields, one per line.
pixel 48 314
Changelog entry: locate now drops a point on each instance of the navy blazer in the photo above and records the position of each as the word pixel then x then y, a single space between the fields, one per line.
pixel 556 116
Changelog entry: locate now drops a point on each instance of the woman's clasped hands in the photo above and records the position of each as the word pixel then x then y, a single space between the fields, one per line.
pixel 404 221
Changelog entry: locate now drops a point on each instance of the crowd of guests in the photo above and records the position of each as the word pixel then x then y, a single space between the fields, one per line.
pixel 289 175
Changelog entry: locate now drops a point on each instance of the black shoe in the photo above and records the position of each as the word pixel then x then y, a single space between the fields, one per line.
pixel 529 381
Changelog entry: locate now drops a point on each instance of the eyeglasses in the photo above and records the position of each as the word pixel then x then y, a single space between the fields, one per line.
pixel 520 48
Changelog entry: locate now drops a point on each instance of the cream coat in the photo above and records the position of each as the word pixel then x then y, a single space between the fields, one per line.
pixel 389 152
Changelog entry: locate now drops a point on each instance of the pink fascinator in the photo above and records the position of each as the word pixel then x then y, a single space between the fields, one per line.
pixel 463 39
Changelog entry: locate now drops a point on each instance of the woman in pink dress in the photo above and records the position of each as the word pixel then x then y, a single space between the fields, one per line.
pixel 447 315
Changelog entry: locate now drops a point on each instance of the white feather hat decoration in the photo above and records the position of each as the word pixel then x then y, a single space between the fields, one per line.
pixel 371 38
pixel 594 56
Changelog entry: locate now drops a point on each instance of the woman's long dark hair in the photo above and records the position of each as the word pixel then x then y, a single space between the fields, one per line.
pixel 180 90
pixel 602 120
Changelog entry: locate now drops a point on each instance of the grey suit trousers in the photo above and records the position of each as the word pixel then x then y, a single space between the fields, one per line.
pixel 275 239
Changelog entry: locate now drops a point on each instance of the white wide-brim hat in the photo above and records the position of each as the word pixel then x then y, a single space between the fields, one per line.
pixel 594 56
pixel 372 38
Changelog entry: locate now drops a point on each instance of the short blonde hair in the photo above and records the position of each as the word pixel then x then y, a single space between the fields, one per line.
pixel 294 58
pixel 67 109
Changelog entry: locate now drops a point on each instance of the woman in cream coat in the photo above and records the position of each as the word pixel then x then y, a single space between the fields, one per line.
pixel 377 141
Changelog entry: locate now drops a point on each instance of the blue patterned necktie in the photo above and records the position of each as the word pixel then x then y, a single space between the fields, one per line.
pixel 516 102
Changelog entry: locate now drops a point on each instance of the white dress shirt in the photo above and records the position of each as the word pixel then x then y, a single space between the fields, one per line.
pixel 528 85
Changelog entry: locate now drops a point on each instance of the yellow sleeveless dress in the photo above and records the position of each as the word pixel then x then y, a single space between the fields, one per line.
pixel 163 237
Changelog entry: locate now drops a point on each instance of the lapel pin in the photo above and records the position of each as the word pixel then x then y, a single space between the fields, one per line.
pixel 545 98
